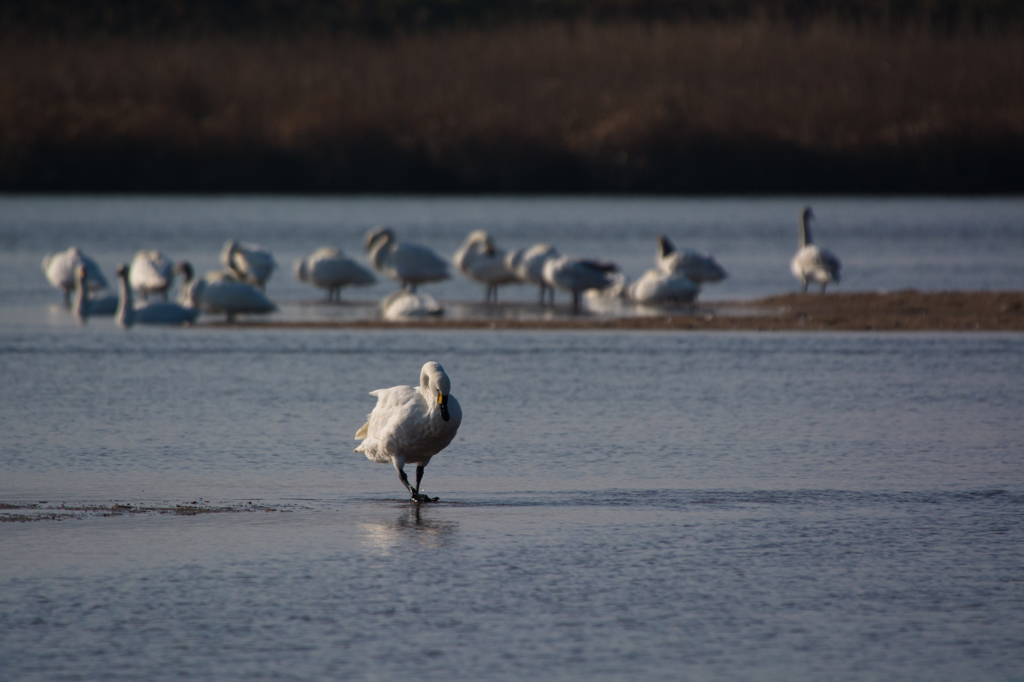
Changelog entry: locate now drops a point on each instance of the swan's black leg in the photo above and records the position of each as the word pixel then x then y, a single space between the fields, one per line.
pixel 416 494
pixel 405 482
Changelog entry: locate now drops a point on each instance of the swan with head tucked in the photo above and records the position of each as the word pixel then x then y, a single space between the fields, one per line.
pixel 695 266
pixel 657 287
pixel 59 269
pixel 577 275
pixel 404 305
pixel 811 262
pixel 528 264
pixel 221 292
pixel 156 312
pixel 84 306
pixel 251 263
pixel 409 264
pixel 410 425
pixel 330 269
pixel 151 272
pixel 479 260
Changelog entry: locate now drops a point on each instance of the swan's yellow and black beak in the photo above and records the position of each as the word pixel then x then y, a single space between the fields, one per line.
pixel 442 400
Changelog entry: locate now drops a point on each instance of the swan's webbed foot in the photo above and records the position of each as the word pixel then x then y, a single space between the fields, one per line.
pixel 420 497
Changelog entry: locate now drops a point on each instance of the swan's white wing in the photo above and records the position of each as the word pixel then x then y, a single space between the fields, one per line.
pixel 694 265
pixel 59 269
pixel 336 270
pixel 150 271
pixel 414 263
pixel 233 297
pixel 403 305
pixel 577 275
pixel 657 287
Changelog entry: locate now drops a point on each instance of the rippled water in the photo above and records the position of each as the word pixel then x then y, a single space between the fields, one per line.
pixel 616 506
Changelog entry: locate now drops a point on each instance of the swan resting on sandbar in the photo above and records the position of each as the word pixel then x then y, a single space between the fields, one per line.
pixel 410 425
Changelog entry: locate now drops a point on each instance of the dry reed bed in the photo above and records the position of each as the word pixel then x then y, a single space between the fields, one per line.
pixel 612 93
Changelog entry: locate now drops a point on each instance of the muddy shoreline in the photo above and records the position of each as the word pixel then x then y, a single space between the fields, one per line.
pixel 907 310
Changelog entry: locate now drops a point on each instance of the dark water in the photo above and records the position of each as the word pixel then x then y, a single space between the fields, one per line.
pixel 616 505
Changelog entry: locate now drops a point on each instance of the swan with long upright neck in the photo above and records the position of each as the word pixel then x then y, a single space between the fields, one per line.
pixel 480 260
pixel 84 306
pixel 409 264
pixel 155 312
pixel 811 262
pixel 410 425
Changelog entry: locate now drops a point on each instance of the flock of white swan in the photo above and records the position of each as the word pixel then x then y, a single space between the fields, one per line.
pixel 239 287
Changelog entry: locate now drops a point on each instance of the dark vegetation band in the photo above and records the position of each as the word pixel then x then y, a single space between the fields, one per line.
pixel 388 17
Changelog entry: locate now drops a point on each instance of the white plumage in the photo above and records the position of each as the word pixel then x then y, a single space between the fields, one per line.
pixel 695 266
pixel 221 292
pixel 156 312
pixel 404 305
pixel 251 263
pixel 654 287
pixel 151 272
pixel 577 275
pixel 479 260
pixel 410 425
pixel 528 264
pixel 59 269
pixel 86 306
pixel 409 264
pixel 330 269
pixel 811 262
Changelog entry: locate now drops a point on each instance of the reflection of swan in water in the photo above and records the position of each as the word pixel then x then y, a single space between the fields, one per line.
pixel 410 425
pixel 156 312
pixel 695 266
pixel 577 275
pixel 220 292
pixel 86 307
pixel 479 260
pixel 412 525
pixel 409 264
pixel 59 269
pixel 404 305
pixel 528 264
pixel 151 272
pixel 251 263
pixel 813 263
pixel 330 269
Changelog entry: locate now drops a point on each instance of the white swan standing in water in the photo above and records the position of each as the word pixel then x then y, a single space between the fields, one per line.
pixel 330 269
pixel 85 307
pixel 221 292
pixel 695 266
pixel 577 275
pixel 409 264
pixel 59 269
pixel 156 312
pixel 479 260
pixel 151 272
pixel 813 263
pixel 251 263
pixel 528 264
pixel 410 425
pixel 404 305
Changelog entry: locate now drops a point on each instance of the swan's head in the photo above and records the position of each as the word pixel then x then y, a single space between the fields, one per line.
pixel 482 238
pixel 807 214
pixel 436 383
pixel 378 236
pixel 229 248
pixel 185 268
pixel 122 271
pixel 666 245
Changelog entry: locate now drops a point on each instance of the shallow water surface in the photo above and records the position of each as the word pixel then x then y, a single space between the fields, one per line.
pixel 673 506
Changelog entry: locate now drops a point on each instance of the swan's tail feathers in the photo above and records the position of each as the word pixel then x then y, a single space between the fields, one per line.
pixel 363 430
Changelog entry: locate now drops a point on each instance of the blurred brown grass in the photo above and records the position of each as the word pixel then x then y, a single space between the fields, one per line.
pixel 763 106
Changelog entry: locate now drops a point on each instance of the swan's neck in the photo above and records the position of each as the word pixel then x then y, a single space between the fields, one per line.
pixel 125 304
pixel 667 247
pixel 805 232
pixel 80 304
pixel 378 252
